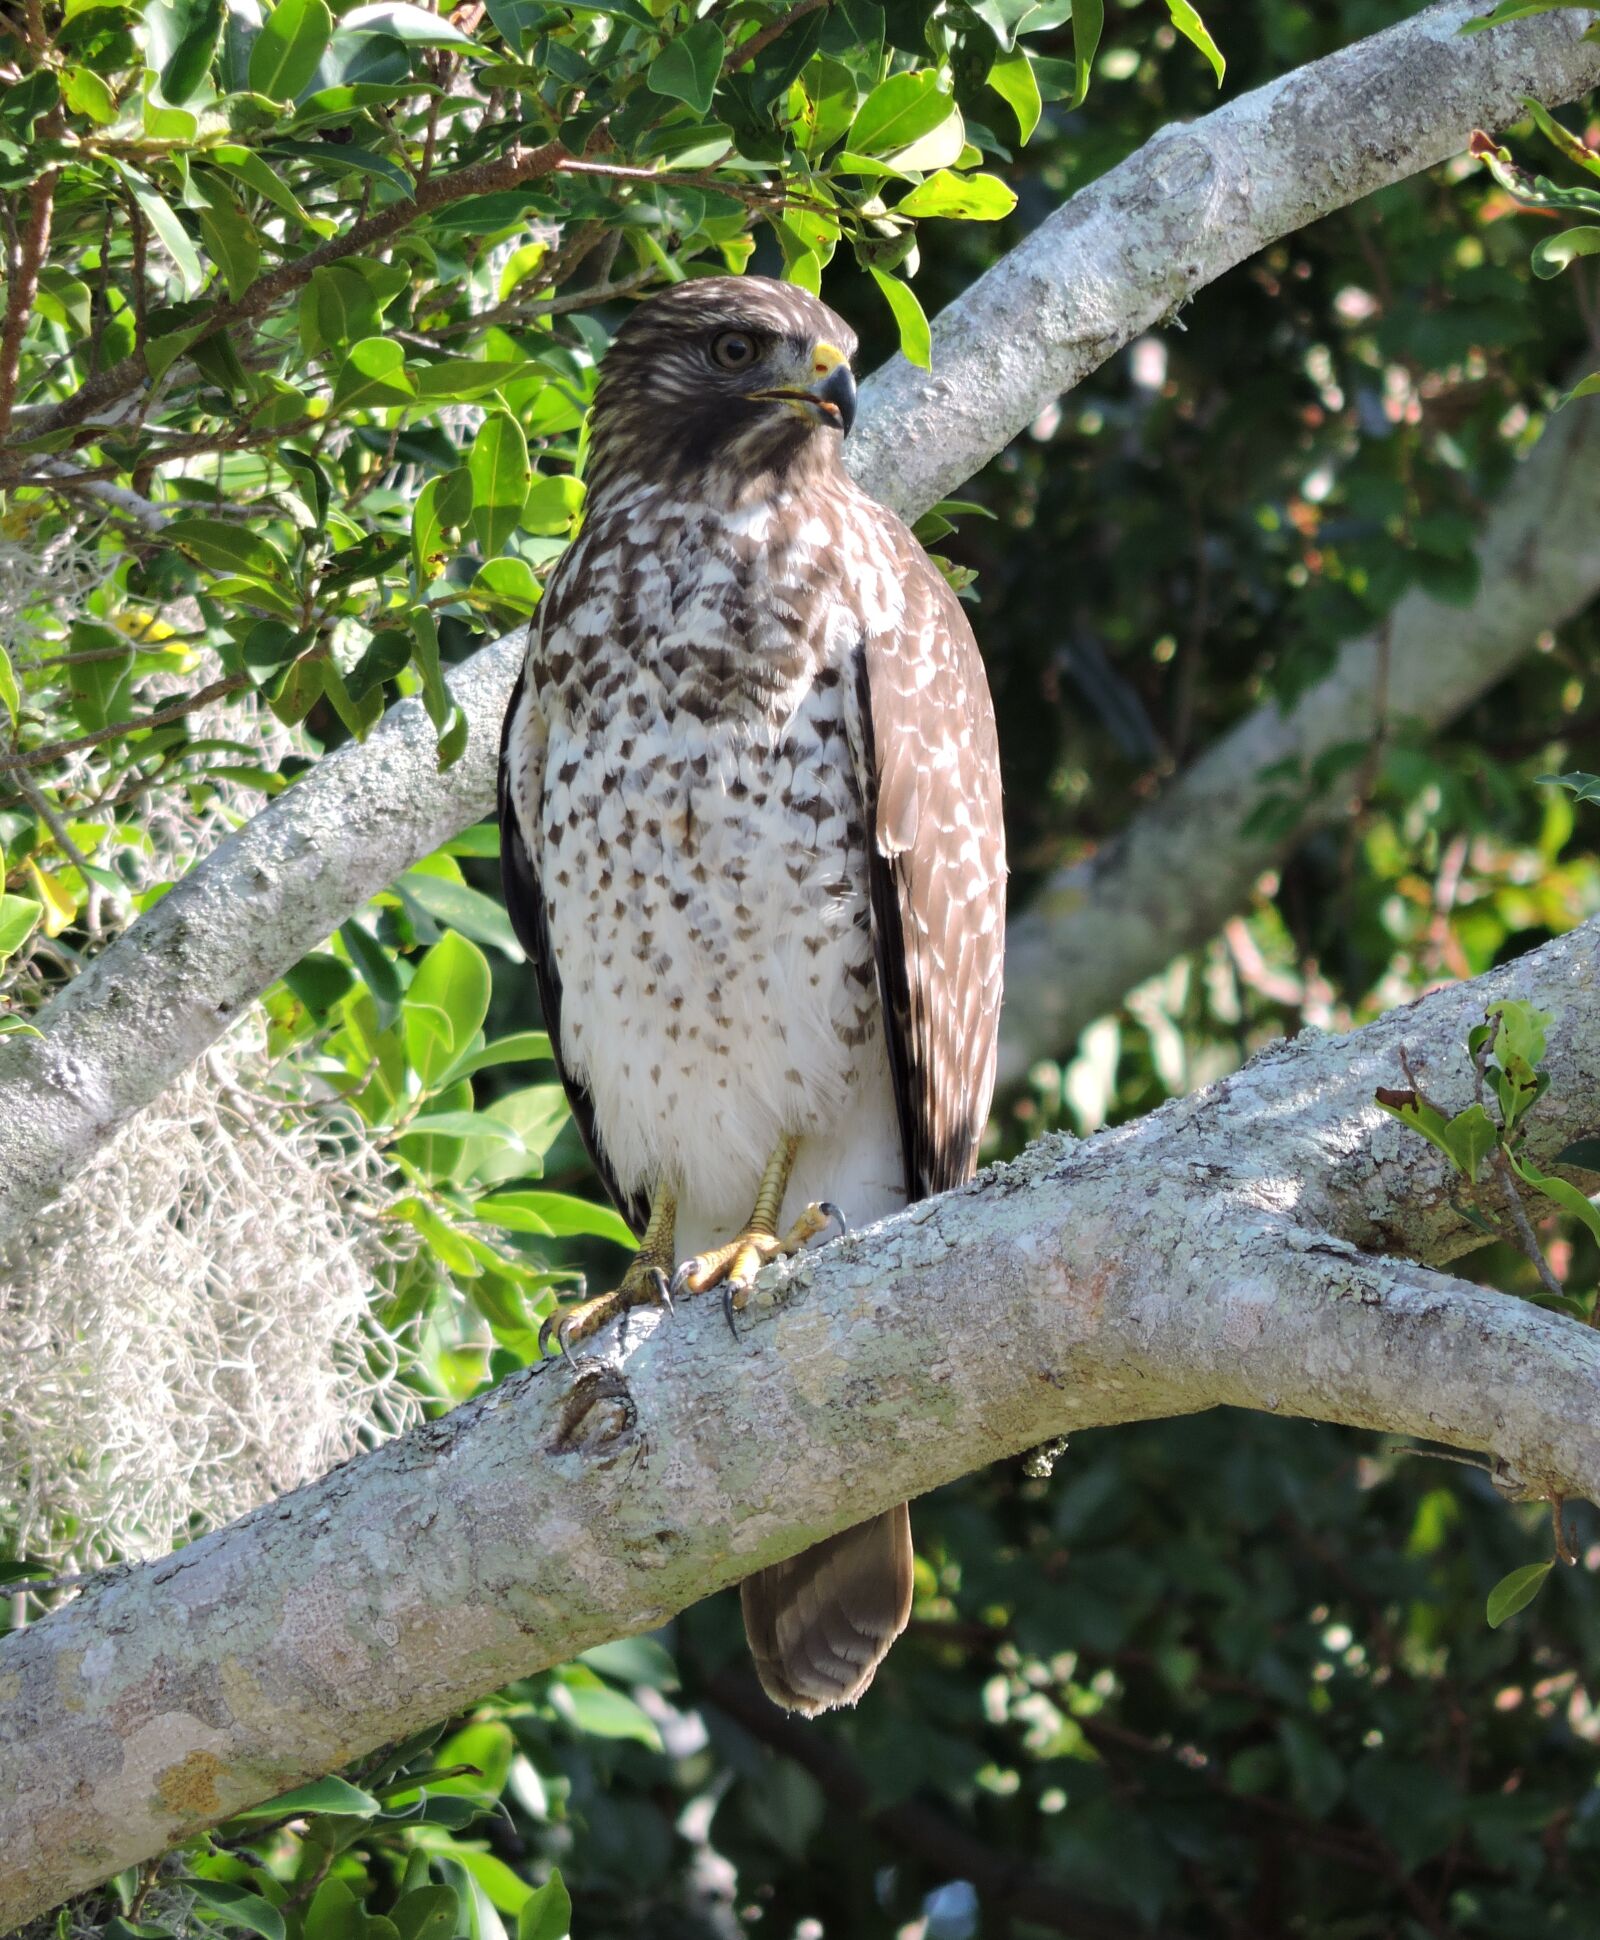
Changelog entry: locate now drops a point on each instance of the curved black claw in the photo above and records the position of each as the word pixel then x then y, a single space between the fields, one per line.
pixel 678 1285
pixel 838 1218
pixel 663 1287
pixel 728 1292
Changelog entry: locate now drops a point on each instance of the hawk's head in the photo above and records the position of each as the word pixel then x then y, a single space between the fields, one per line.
pixel 726 384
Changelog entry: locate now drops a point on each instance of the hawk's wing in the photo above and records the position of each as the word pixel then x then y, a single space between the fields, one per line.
pixel 520 793
pixel 929 767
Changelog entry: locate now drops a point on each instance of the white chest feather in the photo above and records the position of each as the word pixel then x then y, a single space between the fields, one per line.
pixel 701 845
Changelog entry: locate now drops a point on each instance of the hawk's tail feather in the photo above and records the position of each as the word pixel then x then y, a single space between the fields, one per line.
pixel 820 1624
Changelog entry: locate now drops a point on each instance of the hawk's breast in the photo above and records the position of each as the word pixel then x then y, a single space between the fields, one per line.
pixel 703 852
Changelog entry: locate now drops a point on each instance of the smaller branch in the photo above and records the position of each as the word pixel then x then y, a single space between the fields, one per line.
pixel 1007 1885
pixel 24 288
pixel 480 178
pixel 1527 1238
pixel 758 43
pixel 42 757
pixel 513 311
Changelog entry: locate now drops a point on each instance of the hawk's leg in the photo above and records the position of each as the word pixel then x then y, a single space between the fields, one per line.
pixel 734 1266
pixel 645 1284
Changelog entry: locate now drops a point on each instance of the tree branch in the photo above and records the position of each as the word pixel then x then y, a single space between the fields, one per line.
pixel 1205 1255
pixel 1190 204
pixel 23 282
pixel 1006 1885
pixel 1183 865
pixel 128 373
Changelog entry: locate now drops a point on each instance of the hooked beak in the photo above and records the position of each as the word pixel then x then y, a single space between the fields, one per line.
pixel 831 399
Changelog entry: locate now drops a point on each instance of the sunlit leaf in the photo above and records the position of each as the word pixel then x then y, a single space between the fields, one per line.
pixel 1515 1592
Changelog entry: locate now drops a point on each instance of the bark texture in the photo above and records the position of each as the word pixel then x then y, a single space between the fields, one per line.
pixel 1218 1251
pixel 1122 254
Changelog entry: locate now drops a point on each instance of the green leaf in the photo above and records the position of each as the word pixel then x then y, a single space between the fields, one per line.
pixel 376 969
pixel 498 465
pixel 86 94
pixel 521 1047
pixel 899 112
pixel 452 979
pixel 336 159
pixel 9 692
pixel 334 1913
pixel 223 547
pixel 463 908
pixel 399 20
pixel 963 198
pixel 1564 1194
pixel 554 1215
pixel 1465 1140
pixel 1582 1152
pixel 1193 29
pixel 239 1906
pixel 1554 254
pixel 466 1124
pixel 332 1795
pixel 1562 138
pixel 517 20
pixel 916 340
pixel 373 376
pixel 230 236
pixel 507 585
pixel 595 1708
pixel 292 41
pixel 1585 787
pixel 1088 18
pixel 687 68
pixel 255 174
pixel 187 37
pixel 426 1913
pixel 1521 10
pixel 553 502
pixel 1012 78
pixel 19 917
pixel 1469 1138
pixel 171 232
pixel 1516 1591
pixel 453 379
pixel 1586 387
pixel 547 1913
pixel 443 506
pixel 539 1113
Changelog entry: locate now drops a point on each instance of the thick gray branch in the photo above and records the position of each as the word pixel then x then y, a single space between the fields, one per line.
pixel 1135 245
pixel 1122 253
pixel 1188 862
pixel 1206 1254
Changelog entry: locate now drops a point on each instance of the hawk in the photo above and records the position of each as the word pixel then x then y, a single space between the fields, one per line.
pixel 752 844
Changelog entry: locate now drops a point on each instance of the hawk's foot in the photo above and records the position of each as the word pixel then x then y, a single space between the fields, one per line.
pixel 734 1266
pixel 643 1285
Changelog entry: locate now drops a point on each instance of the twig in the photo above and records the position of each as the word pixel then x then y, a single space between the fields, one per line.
pixel 1527 1239
pixel 551 306
pixel 758 43
pixel 24 288
pixel 1006 1884
pixel 42 757
pixel 479 178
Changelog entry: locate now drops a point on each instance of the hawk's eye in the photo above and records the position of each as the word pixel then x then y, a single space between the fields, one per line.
pixel 734 349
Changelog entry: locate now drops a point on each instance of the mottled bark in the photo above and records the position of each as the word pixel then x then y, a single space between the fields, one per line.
pixel 1210 1253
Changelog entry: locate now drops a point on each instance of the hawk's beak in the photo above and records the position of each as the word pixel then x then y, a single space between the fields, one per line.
pixel 831 398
